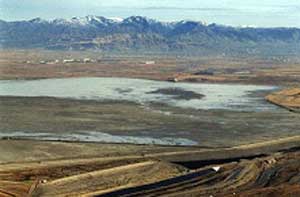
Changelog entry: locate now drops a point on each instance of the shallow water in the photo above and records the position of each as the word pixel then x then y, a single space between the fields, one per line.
pixel 96 136
pixel 217 96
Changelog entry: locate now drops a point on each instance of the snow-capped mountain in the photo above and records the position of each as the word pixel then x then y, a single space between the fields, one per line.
pixel 137 33
pixel 80 21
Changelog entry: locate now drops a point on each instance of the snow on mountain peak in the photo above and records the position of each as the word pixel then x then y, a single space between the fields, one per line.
pixel 94 21
pixel 38 20
pixel 116 19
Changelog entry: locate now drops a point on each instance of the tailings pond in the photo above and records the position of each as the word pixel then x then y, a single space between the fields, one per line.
pixel 185 95
pixel 122 110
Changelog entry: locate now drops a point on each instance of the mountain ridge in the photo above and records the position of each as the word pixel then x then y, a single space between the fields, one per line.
pixel 141 34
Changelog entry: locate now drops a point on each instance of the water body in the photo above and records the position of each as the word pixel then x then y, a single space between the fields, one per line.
pixel 212 96
pixel 244 105
pixel 96 136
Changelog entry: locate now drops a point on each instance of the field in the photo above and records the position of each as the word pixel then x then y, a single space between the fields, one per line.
pixel 27 65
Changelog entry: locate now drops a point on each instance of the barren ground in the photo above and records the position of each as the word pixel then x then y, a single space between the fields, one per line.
pixel 95 170
pixel 212 128
pixel 288 98
pixel 226 69
pixel 258 153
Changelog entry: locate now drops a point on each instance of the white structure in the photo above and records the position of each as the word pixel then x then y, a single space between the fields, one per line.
pixel 53 62
pixel 150 62
pixel 87 60
pixel 68 61
pixel 216 168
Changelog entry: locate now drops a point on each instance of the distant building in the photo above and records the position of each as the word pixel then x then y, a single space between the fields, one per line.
pixel 242 72
pixel 51 62
pixel 150 62
pixel 68 61
pixel 87 60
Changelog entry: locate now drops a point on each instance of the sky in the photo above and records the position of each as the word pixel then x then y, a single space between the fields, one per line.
pixel 259 13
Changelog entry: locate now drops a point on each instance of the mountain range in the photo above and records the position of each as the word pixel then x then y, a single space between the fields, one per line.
pixel 137 34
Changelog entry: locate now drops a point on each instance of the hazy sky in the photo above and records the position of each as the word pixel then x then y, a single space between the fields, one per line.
pixel 231 12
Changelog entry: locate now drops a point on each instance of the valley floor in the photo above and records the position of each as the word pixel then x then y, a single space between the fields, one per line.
pixel 238 153
pixel 26 64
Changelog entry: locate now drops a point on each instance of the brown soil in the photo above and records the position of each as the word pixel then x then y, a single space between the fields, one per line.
pixel 33 168
pixel 226 70
pixel 288 98
pixel 271 168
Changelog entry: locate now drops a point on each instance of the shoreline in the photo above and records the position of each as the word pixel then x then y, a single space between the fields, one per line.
pixel 225 82
pixel 288 98
pixel 246 83
pixel 182 153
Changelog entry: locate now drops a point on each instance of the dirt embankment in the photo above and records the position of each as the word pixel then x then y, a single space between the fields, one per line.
pixel 152 170
pixel 275 175
pixel 288 98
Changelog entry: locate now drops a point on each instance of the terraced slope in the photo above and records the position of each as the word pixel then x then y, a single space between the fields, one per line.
pixel 262 169
pixel 82 176
pixel 277 175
